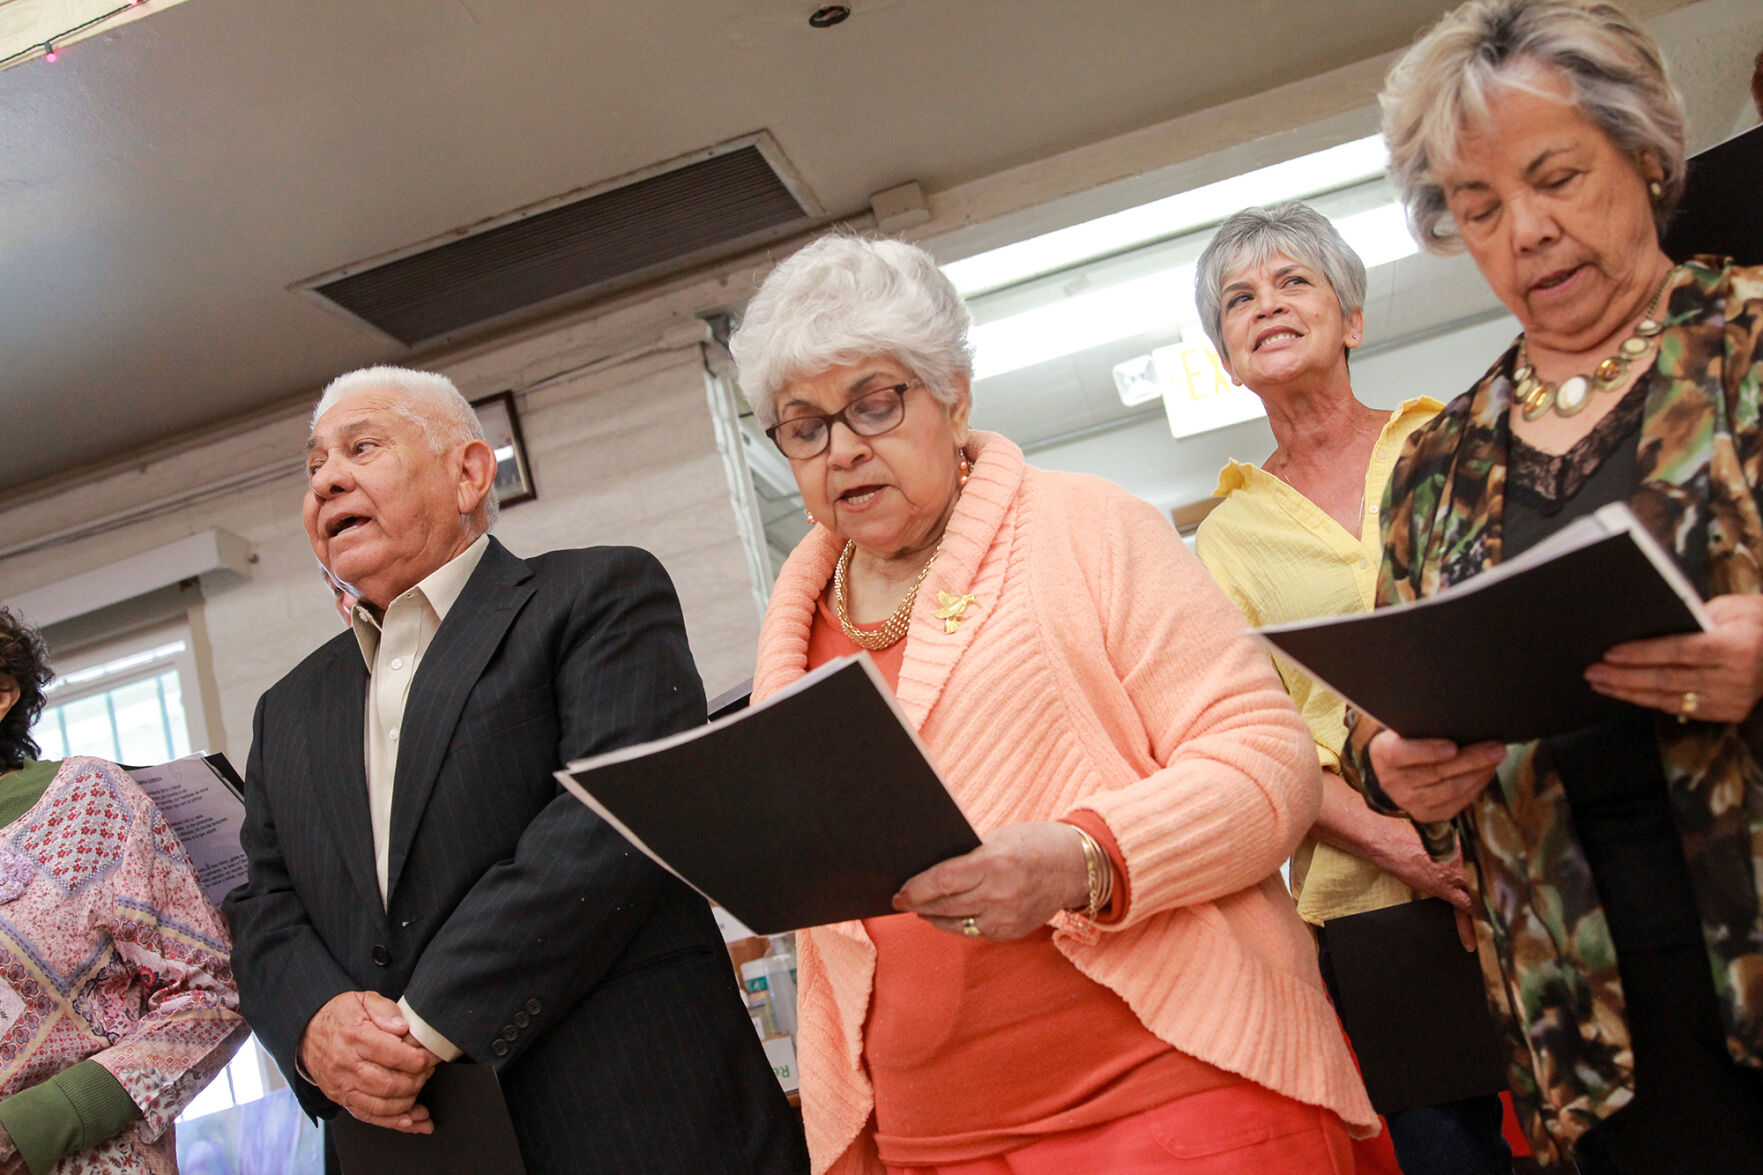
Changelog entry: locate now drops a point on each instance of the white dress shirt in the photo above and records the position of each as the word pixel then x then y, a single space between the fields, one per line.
pixel 393 647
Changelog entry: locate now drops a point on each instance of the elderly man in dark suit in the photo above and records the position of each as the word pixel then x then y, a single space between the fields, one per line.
pixel 420 888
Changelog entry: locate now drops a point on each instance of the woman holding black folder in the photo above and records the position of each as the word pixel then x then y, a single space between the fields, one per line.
pixel 1281 295
pixel 1116 978
pixel 1617 867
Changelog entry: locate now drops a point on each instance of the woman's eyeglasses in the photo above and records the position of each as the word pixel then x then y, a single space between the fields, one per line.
pixel 869 415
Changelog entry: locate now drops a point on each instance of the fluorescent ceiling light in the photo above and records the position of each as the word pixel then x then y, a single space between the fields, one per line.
pixel 1320 171
pixel 1156 303
pixel 1379 235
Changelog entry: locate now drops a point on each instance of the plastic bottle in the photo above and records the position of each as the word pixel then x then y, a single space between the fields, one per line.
pixel 780 980
pixel 760 1005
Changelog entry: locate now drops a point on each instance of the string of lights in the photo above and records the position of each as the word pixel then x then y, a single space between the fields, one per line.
pixel 46 48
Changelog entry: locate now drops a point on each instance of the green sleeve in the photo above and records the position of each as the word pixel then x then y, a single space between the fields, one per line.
pixel 75 1110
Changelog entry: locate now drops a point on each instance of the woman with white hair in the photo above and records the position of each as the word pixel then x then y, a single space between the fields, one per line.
pixel 1618 870
pixel 1116 977
pixel 1281 295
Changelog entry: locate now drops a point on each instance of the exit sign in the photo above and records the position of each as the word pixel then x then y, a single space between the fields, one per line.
pixel 1197 393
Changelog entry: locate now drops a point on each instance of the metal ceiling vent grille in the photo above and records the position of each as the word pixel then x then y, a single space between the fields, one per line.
pixel 714 202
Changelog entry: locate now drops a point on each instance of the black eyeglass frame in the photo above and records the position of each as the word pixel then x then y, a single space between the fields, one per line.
pixel 842 417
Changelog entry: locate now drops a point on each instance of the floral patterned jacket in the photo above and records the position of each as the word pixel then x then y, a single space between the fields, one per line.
pixel 110 951
pixel 1546 956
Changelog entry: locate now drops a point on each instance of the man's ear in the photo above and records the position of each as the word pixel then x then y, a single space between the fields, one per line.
pixel 477 475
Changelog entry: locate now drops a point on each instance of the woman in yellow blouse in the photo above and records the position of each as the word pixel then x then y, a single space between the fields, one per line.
pixel 1281 294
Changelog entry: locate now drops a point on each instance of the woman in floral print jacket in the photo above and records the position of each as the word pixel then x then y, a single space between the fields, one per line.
pixel 117 1002
pixel 1617 867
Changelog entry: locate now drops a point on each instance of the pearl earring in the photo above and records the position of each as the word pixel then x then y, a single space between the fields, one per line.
pixel 1655 189
pixel 962 471
pixel 810 514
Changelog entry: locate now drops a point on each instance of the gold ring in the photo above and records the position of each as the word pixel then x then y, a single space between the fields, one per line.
pixel 971 928
pixel 1686 709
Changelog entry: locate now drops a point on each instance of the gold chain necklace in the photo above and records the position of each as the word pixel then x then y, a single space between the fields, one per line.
pixel 1536 396
pixel 895 626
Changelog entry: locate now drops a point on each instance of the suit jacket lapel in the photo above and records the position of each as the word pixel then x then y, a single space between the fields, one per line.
pixel 471 633
pixel 340 708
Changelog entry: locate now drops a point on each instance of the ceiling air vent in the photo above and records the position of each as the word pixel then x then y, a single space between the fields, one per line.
pixel 588 242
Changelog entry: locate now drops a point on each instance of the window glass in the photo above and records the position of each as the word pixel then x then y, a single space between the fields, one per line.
pixel 86 726
pixel 138 722
pixel 240 1082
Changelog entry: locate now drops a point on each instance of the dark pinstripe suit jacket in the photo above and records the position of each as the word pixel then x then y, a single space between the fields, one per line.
pixel 520 926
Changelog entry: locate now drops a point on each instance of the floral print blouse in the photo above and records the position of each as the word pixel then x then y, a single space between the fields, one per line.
pixel 1547 961
pixel 110 952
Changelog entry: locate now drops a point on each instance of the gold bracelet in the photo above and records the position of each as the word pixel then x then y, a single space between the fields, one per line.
pixel 1098 872
pixel 1106 864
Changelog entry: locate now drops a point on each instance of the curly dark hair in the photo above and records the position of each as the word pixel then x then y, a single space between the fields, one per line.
pixel 25 659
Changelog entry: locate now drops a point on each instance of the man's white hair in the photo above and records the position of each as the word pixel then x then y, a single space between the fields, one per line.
pixel 426 398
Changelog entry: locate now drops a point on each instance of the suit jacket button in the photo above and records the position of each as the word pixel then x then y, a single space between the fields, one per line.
pixel 509 1033
pixel 499 1047
pixel 521 1019
pixel 381 956
pixel 534 1007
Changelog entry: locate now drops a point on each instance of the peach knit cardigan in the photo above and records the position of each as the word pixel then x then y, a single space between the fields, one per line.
pixel 1099 668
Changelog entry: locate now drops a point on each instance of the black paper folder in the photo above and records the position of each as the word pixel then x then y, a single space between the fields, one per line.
pixel 1412 1001
pixel 1503 655
pixel 473 1134
pixel 811 807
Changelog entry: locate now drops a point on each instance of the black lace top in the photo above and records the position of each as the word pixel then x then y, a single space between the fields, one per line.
pixel 1612 772
pixel 1541 484
pixel 1617 792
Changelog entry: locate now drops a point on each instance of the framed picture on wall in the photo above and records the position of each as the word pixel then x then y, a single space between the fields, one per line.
pixel 514 476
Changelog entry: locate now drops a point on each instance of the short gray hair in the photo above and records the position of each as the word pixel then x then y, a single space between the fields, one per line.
pixel 1253 235
pixel 1443 83
pixel 426 398
pixel 845 298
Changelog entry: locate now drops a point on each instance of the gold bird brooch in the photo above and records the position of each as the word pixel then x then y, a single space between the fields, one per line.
pixel 952 608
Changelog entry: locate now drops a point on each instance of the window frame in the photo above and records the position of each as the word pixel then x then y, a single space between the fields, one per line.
pixel 97 656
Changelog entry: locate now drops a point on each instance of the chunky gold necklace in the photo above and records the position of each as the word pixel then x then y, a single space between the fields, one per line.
pixel 1536 396
pixel 895 626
